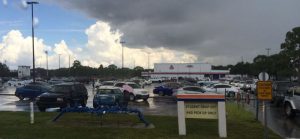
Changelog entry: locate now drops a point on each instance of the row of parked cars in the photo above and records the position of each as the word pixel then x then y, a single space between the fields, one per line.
pixel 75 94
pixel 173 88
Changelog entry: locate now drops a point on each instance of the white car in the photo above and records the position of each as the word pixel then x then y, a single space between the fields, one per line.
pixel 137 93
pixel 15 82
pixel 228 90
pixel 157 80
pixel 189 90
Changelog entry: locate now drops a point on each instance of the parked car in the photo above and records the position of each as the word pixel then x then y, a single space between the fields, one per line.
pixel 31 90
pixel 166 89
pixel 292 102
pixel 63 95
pixel 280 90
pixel 137 93
pixel 55 81
pixel 15 82
pixel 246 86
pixel 190 90
pixel 155 80
pixel 108 83
pixel 228 90
pixel 108 96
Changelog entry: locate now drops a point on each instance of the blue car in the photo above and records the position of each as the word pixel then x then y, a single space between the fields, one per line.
pixel 166 89
pixel 31 91
pixel 108 96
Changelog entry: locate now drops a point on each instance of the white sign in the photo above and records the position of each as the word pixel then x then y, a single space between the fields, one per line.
pixel 260 76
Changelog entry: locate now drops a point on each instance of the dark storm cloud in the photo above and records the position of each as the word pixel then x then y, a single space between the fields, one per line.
pixel 212 29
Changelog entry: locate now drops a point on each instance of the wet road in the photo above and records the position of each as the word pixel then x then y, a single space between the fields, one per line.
pixel 154 106
pixel 276 119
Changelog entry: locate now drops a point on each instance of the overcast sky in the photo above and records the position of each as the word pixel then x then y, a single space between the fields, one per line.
pixel 214 31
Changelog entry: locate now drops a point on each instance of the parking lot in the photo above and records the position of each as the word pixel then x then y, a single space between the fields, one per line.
pixel 155 105
pixel 166 105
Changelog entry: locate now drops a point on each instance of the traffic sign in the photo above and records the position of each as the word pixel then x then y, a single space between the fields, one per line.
pixel 264 90
pixel 261 76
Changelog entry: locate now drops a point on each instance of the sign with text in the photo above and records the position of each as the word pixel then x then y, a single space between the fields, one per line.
pixel 264 90
pixel 201 110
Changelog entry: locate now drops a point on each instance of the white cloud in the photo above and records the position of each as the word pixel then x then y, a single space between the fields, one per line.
pixel 4 2
pixel 103 47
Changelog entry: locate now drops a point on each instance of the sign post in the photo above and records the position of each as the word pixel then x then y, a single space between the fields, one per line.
pixel 201 106
pixel 264 93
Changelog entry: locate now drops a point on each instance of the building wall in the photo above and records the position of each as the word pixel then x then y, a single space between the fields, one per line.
pixel 186 70
pixel 23 71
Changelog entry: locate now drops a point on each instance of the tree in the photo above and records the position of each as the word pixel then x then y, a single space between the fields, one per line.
pixel 76 64
pixel 112 67
pixel 291 48
pixel 100 67
pixel 4 70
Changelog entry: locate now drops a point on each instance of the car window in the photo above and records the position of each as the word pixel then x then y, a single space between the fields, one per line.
pixel 80 88
pixel 119 84
pixel 117 91
pixel 108 83
pixel 105 91
pixel 134 86
pixel 61 89
pixel 31 87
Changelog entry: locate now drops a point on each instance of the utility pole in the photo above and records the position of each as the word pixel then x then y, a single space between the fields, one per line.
pixel 32 33
pixel 268 49
pixel 69 62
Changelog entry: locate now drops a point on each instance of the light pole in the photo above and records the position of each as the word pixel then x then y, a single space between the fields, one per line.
pixel 148 60
pixel 32 31
pixel 46 52
pixel 122 42
pixel 268 49
pixel 59 61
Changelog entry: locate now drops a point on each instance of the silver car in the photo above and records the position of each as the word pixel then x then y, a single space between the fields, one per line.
pixel 292 102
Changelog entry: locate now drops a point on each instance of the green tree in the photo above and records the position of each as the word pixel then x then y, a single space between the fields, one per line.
pixel 4 70
pixel 291 48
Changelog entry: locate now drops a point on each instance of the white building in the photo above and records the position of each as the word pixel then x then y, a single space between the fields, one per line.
pixel 186 70
pixel 23 71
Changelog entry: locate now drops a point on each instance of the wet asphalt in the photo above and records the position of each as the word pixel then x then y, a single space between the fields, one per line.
pixel 156 105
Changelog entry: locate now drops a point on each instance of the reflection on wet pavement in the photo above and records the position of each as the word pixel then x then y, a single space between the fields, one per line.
pixel 154 106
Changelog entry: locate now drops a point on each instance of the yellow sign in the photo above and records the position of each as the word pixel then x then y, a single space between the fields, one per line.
pixel 201 110
pixel 264 90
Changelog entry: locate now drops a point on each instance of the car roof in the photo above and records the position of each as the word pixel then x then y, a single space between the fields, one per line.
pixel 108 87
pixel 69 83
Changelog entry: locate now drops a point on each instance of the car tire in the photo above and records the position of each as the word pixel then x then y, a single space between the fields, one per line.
pixel 145 99
pixel 288 110
pixel 131 97
pixel 231 94
pixel 95 105
pixel 21 97
pixel 161 93
pixel 42 109
pixel 83 103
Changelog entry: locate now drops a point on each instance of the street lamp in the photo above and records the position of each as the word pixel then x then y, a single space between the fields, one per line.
pixel 122 42
pixel 46 52
pixel 59 61
pixel 32 31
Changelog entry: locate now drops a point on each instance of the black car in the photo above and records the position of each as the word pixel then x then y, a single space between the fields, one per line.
pixel 63 95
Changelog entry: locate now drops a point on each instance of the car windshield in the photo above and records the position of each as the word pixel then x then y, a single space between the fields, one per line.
pixel 134 86
pixel 105 91
pixel 61 89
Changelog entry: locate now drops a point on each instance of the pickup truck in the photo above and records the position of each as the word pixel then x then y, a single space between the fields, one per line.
pixel 292 102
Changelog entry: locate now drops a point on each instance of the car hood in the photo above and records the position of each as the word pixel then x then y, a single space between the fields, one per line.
pixel 47 94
